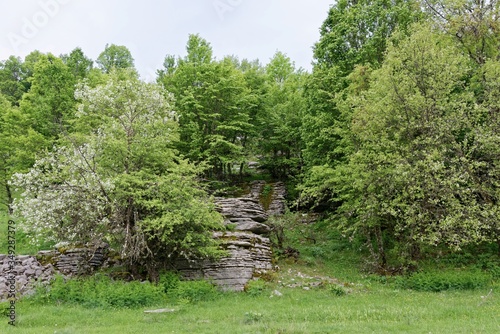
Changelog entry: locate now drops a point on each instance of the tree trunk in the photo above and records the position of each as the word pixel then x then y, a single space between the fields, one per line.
pixel 242 165
pixel 380 247
pixel 9 198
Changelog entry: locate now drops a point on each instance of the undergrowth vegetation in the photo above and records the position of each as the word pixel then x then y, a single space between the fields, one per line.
pixel 101 291
pixel 445 280
pixel 98 291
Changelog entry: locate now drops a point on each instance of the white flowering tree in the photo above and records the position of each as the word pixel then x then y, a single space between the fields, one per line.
pixel 64 198
pixel 119 179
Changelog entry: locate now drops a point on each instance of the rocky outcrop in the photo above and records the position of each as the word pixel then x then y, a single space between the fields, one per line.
pixel 249 250
pixel 24 276
pixel 249 256
pixel 245 214
pixel 278 203
pixel 256 188
pixel 75 261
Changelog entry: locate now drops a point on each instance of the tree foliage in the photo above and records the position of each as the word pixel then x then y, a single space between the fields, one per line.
pixel 121 180
pixel 115 57
pixel 13 79
pixel 418 171
pixel 18 146
pixel 394 135
pixel 50 103
pixel 212 102
pixel 354 34
pixel 78 63
pixel 474 23
pixel 280 120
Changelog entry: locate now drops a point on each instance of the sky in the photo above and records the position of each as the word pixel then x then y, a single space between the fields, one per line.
pixel 151 29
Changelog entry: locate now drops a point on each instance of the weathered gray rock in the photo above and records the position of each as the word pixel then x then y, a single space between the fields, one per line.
pixel 246 214
pixel 30 270
pixel 25 275
pixel 278 202
pixel 249 251
pixel 249 256
pixel 162 310
pixel 256 189
pixel 242 207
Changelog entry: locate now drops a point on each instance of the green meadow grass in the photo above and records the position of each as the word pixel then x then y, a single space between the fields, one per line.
pixel 374 309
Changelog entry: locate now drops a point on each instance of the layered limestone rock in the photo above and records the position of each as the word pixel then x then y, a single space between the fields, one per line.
pixel 278 203
pixel 249 250
pixel 256 188
pixel 75 261
pixel 249 256
pixel 245 214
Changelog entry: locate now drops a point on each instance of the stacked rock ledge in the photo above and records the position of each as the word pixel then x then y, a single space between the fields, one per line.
pixel 249 255
pixel 29 271
pixel 249 250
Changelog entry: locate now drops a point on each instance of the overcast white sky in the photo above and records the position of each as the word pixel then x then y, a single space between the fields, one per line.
pixel 151 29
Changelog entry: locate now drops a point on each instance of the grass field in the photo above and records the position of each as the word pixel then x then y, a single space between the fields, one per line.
pixel 367 310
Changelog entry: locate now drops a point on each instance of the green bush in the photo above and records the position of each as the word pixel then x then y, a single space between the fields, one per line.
pixel 256 287
pixel 193 291
pixel 336 289
pixel 99 291
pixel 169 281
pixel 445 280
pixel 253 317
pixel 489 263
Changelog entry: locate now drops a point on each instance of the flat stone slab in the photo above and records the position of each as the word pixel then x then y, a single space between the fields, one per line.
pixel 161 310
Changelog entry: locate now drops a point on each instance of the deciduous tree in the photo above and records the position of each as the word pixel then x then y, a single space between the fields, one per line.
pixel 115 56
pixel 121 180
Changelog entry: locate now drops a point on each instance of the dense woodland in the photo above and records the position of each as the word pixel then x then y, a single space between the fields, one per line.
pixel 394 137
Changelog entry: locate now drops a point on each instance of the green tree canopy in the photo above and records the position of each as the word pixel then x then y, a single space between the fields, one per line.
pixel 418 172
pixel 78 63
pixel 354 34
pixel 50 102
pixel 212 102
pixel 281 118
pixel 115 56
pixel 19 144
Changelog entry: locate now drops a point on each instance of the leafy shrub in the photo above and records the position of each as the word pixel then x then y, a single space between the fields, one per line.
pixel 319 252
pixel 489 263
pixel 253 317
pixel 445 280
pixel 256 287
pixel 336 289
pixel 99 291
pixel 169 281
pixel 193 291
pixel 4 309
